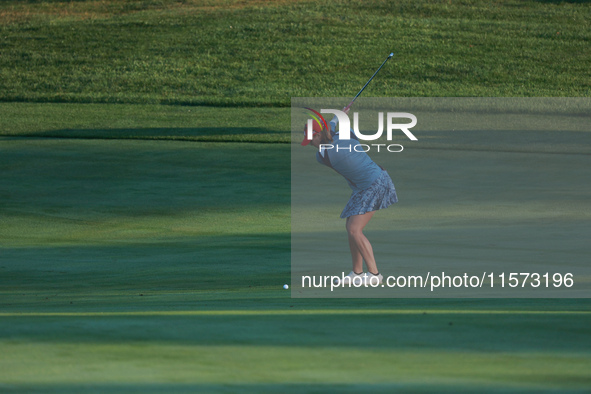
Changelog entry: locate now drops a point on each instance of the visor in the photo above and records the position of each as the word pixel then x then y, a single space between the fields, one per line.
pixel 316 129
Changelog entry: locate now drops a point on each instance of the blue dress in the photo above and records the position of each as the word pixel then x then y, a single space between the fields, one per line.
pixel 372 188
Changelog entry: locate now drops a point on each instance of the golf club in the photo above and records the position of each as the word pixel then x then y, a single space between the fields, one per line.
pixel 364 86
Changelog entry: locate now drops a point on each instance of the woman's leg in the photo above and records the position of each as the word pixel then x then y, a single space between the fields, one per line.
pixel 355 253
pixel 360 246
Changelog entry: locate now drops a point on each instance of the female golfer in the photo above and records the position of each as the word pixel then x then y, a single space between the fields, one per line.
pixel 372 190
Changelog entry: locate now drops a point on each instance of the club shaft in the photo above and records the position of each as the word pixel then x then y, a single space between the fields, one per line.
pixel 367 83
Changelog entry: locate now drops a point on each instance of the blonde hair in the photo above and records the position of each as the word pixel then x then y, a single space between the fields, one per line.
pixel 325 136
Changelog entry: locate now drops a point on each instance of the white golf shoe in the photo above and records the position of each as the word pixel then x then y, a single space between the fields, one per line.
pixel 374 280
pixel 349 279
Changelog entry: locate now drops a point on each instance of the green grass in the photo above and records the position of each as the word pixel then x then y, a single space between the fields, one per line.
pixel 258 53
pixel 139 253
pixel 155 122
pixel 299 353
pixel 157 266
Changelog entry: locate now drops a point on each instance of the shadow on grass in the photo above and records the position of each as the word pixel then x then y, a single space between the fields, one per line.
pixel 205 134
pixel 155 266
pixel 108 295
pixel 99 291
pixel 174 388
pixel 447 331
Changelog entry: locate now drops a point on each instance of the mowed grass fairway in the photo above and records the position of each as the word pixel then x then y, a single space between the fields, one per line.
pixel 145 196
pixel 157 266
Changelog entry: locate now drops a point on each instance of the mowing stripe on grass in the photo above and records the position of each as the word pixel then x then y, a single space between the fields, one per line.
pixel 290 312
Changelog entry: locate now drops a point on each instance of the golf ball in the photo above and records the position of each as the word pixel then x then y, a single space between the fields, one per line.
pixel 285 287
